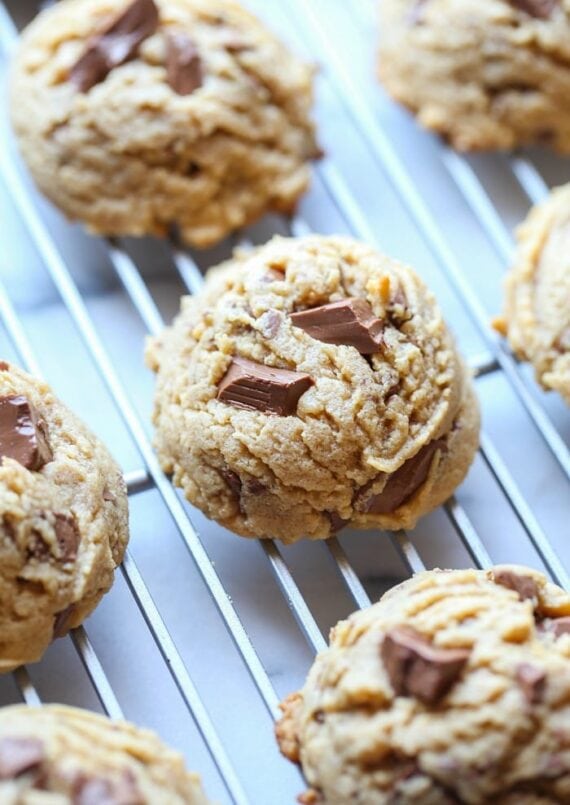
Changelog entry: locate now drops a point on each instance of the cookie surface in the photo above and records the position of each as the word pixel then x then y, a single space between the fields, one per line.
pixel 453 688
pixel 537 293
pixel 66 756
pixel 133 120
pixel 370 419
pixel 64 525
pixel 486 74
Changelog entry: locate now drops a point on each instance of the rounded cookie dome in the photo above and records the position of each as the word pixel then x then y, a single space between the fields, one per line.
pixel 64 518
pixel 537 305
pixel 135 116
pixel 486 74
pixel 312 384
pixel 453 688
pixel 71 757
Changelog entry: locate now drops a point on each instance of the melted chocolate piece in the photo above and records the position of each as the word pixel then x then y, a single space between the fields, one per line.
pixel 23 433
pixel 4 367
pixel 403 483
pixel 18 756
pixel 233 480
pixel 541 9
pixel 532 681
pixel 262 388
pixel 350 322
pixel 525 586
pixel 183 64
pixel 336 521
pixel 418 668
pixel 115 45
pixel 68 536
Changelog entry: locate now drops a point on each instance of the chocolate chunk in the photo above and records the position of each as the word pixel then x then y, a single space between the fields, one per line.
pixel 558 626
pixel 262 388
pixel 525 586
pixel 403 483
pixel 532 681
pixel 232 479
pixel 108 496
pixel 68 536
pixel 183 64
pixel 18 756
pixel 23 433
pixel 417 668
pixel 255 487
pixel 542 9
pixel 100 791
pixel 4 367
pixel 336 521
pixel 270 323
pixel 115 44
pixel 61 621
pixel 350 322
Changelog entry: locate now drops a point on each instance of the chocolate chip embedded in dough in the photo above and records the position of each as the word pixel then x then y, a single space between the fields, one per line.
pixel 232 479
pixel 67 535
pixel 350 322
pixel 532 681
pixel 336 521
pixel 183 63
pixel 418 668
pixel 403 483
pixel 525 586
pixel 4 367
pixel 257 387
pixel 23 433
pixel 102 791
pixel 557 626
pixel 61 621
pixel 19 756
pixel 541 9
pixel 117 43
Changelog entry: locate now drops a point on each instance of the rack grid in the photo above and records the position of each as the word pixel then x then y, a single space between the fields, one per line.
pixel 351 100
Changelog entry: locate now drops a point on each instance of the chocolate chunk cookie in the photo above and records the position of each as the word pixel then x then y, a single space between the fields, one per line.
pixel 63 510
pixel 138 115
pixel 453 688
pixel 66 756
pixel 311 385
pixel 537 307
pixel 486 74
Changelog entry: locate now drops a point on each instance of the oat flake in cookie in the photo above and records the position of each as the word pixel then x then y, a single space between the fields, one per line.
pixel 453 688
pixel 536 316
pixel 66 756
pixel 311 385
pixel 63 509
pixel 485 74
pixel 138 115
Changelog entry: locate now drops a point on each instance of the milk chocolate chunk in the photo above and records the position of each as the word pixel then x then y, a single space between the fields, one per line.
pixel 100 791
pixel 232 479
pixel 525 586
pixel 68 537
pixel 18 756
pixel 183 64
pixel 256 387
pixel 115 44
pixel 350 322
pixel 23 433
pixel 418 668
pixel 558 626
pixel 542 9
pixel 403 483
pixel 336 521
pixel 532 681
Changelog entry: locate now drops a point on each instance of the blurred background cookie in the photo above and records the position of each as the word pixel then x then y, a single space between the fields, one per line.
pixel 312 384
pixel 454 687
pixel 536 317
pixel 64 518
pixel 137 116
pixel 71 757
pixel 486 74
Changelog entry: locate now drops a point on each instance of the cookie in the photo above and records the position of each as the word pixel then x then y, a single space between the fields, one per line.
pixel 312 385
pixel 485 74
pixel 63 509
pixel 453 688
pixel 536 318
pixel 136 117
pixel 66 756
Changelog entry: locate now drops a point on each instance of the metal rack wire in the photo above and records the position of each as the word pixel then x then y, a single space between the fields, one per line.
pixel 496 359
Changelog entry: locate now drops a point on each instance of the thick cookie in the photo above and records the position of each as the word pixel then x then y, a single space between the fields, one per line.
pixel 66 756
pixel 63 509
pixel 134 116
pixel 537 308
pixel 312 384
pixel 486 74
pixel 454 688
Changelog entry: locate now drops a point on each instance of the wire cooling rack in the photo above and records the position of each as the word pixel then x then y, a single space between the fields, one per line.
pixel 203 632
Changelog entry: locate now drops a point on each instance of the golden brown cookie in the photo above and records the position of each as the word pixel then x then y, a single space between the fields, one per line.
pixel 312 384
